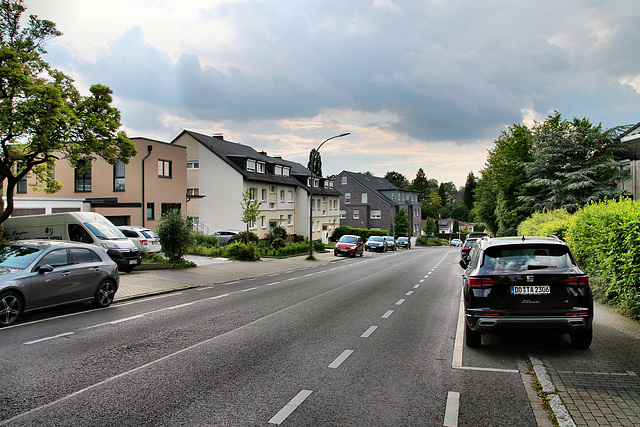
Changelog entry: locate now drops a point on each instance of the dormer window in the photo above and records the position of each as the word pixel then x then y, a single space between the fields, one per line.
pixel 261 167
pixel 278 170
pixel 286 171
pixel 251 165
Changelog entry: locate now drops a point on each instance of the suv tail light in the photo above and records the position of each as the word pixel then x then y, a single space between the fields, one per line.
pixel 578 280
pixel 144 242
pixel 474 282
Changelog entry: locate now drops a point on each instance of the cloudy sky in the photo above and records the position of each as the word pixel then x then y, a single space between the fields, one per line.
pixel 418 83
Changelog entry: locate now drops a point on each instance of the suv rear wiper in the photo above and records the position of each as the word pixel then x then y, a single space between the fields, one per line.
pixel 539 267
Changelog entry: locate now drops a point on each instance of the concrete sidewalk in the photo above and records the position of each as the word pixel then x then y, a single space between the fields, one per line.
pixel 210 271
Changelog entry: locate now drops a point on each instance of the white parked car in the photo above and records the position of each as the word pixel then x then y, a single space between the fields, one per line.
pixel 145 239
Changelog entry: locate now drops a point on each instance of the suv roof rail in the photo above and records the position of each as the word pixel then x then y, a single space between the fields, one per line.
pixel 554 236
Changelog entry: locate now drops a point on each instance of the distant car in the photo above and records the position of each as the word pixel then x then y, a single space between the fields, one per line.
pixel 349 245
pixel 145 240
pixel 403 242
pixel 375 243
pixel 525 283
pixel 466 247
pixel 455 242
pixel 225 235
pixel 39 274
pixel 391 244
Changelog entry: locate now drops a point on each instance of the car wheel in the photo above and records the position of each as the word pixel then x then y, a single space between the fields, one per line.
pixel 582 339
pixel 472 338
pixel 10 308
pixel 105 294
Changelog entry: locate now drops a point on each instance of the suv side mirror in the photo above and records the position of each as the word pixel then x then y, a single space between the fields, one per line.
pixel 464 263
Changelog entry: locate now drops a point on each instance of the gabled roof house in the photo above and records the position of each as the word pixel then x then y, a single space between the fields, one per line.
pixel 220 171
pixel 630 162
pixel 371 202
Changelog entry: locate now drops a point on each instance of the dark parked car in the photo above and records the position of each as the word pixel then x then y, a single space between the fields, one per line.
pixel 403 242
pixel 391 244
pixel 376 243
pixel 466 247
pixel 37 274
pixel 349 245
pixel 525 283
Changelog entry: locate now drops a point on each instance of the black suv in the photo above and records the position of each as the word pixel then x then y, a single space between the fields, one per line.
pixel 525 283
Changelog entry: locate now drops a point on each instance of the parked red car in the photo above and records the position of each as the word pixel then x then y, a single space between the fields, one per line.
pixel 349 245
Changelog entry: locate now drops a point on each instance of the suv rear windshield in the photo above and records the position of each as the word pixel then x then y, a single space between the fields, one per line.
pixel 527 257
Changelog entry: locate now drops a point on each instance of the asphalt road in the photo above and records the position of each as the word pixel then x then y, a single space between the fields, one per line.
pixel 370 341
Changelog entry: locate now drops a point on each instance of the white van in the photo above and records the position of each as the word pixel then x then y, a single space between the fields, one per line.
pixel 86 227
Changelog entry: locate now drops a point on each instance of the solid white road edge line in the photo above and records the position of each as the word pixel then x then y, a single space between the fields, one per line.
pixel 290 407
pixel 49 338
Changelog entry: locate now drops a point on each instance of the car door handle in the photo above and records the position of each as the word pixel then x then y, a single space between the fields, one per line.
pixel 65 273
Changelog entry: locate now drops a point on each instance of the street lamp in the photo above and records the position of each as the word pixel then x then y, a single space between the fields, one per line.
pixel 393 200
pixel 311 163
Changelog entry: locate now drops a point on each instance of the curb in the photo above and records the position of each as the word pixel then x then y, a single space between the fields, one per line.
pixel 555 402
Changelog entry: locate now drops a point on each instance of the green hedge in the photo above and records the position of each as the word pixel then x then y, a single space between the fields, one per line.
pixel 365 233
pixel 605 239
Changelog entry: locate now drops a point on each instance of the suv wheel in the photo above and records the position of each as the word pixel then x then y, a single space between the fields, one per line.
pixel 582 339
pixel 472 338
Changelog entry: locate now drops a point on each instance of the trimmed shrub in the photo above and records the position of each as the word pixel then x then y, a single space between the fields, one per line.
pixel 242 238
pixel 318 246
pixel 241 252
pixel 555 222
pixel 278 243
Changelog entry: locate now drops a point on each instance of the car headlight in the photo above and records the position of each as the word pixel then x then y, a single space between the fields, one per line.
pixel 109 246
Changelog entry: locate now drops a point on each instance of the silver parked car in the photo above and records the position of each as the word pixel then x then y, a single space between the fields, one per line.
pixel 145 240
pixel 37 274
pixel 225 235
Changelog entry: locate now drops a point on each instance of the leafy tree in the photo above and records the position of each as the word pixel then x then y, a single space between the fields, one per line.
pixel 43 117
pixel 430 227
pixel 469 187
pixel 502 181
pixel 572 164
pixel 402 224
pixel 397 179
pixel 315 162
pixel 174 233
pixel 250 209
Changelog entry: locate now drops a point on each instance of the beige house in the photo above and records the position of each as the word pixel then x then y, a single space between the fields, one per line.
pixel 630 162
pixel 137 193
pixel 220 171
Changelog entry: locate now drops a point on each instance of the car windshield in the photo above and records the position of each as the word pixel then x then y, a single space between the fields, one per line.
pixel 375 239
pixel 348 239
pixel 17 256
pixel 469 242
pixel 388 238
pixel 527 257
pixel 402 239
pixel 104 231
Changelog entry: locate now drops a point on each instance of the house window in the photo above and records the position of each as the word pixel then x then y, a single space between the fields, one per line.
pixel 251 165
pixel 166 207
pixel 335 204
pixel 263 194
pixel 252 193
pixel 347 198
pixel 260 167
pixel 289 219
pixel 286 171
pixel 364 198
pixel 263 222
pixel 118 176
pixel 272 206
pixel 272 189
pixel 344 180
pixel 164 168
pixel 193 164
pixel 253 225
pixel 21 188
pixel 151 211
pixel 281 196
pixel 82 177
pixel 290 196
pixel 278 170
pixel 376 214
pixel 343 214
pixel 356 214
pixel 193 191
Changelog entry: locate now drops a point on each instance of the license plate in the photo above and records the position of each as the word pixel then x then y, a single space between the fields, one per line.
pixel 344 250
pixel 133 262
pixel 530 290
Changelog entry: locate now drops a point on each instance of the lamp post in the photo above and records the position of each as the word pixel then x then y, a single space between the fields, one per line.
pixel 393 200
pixel 311 163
